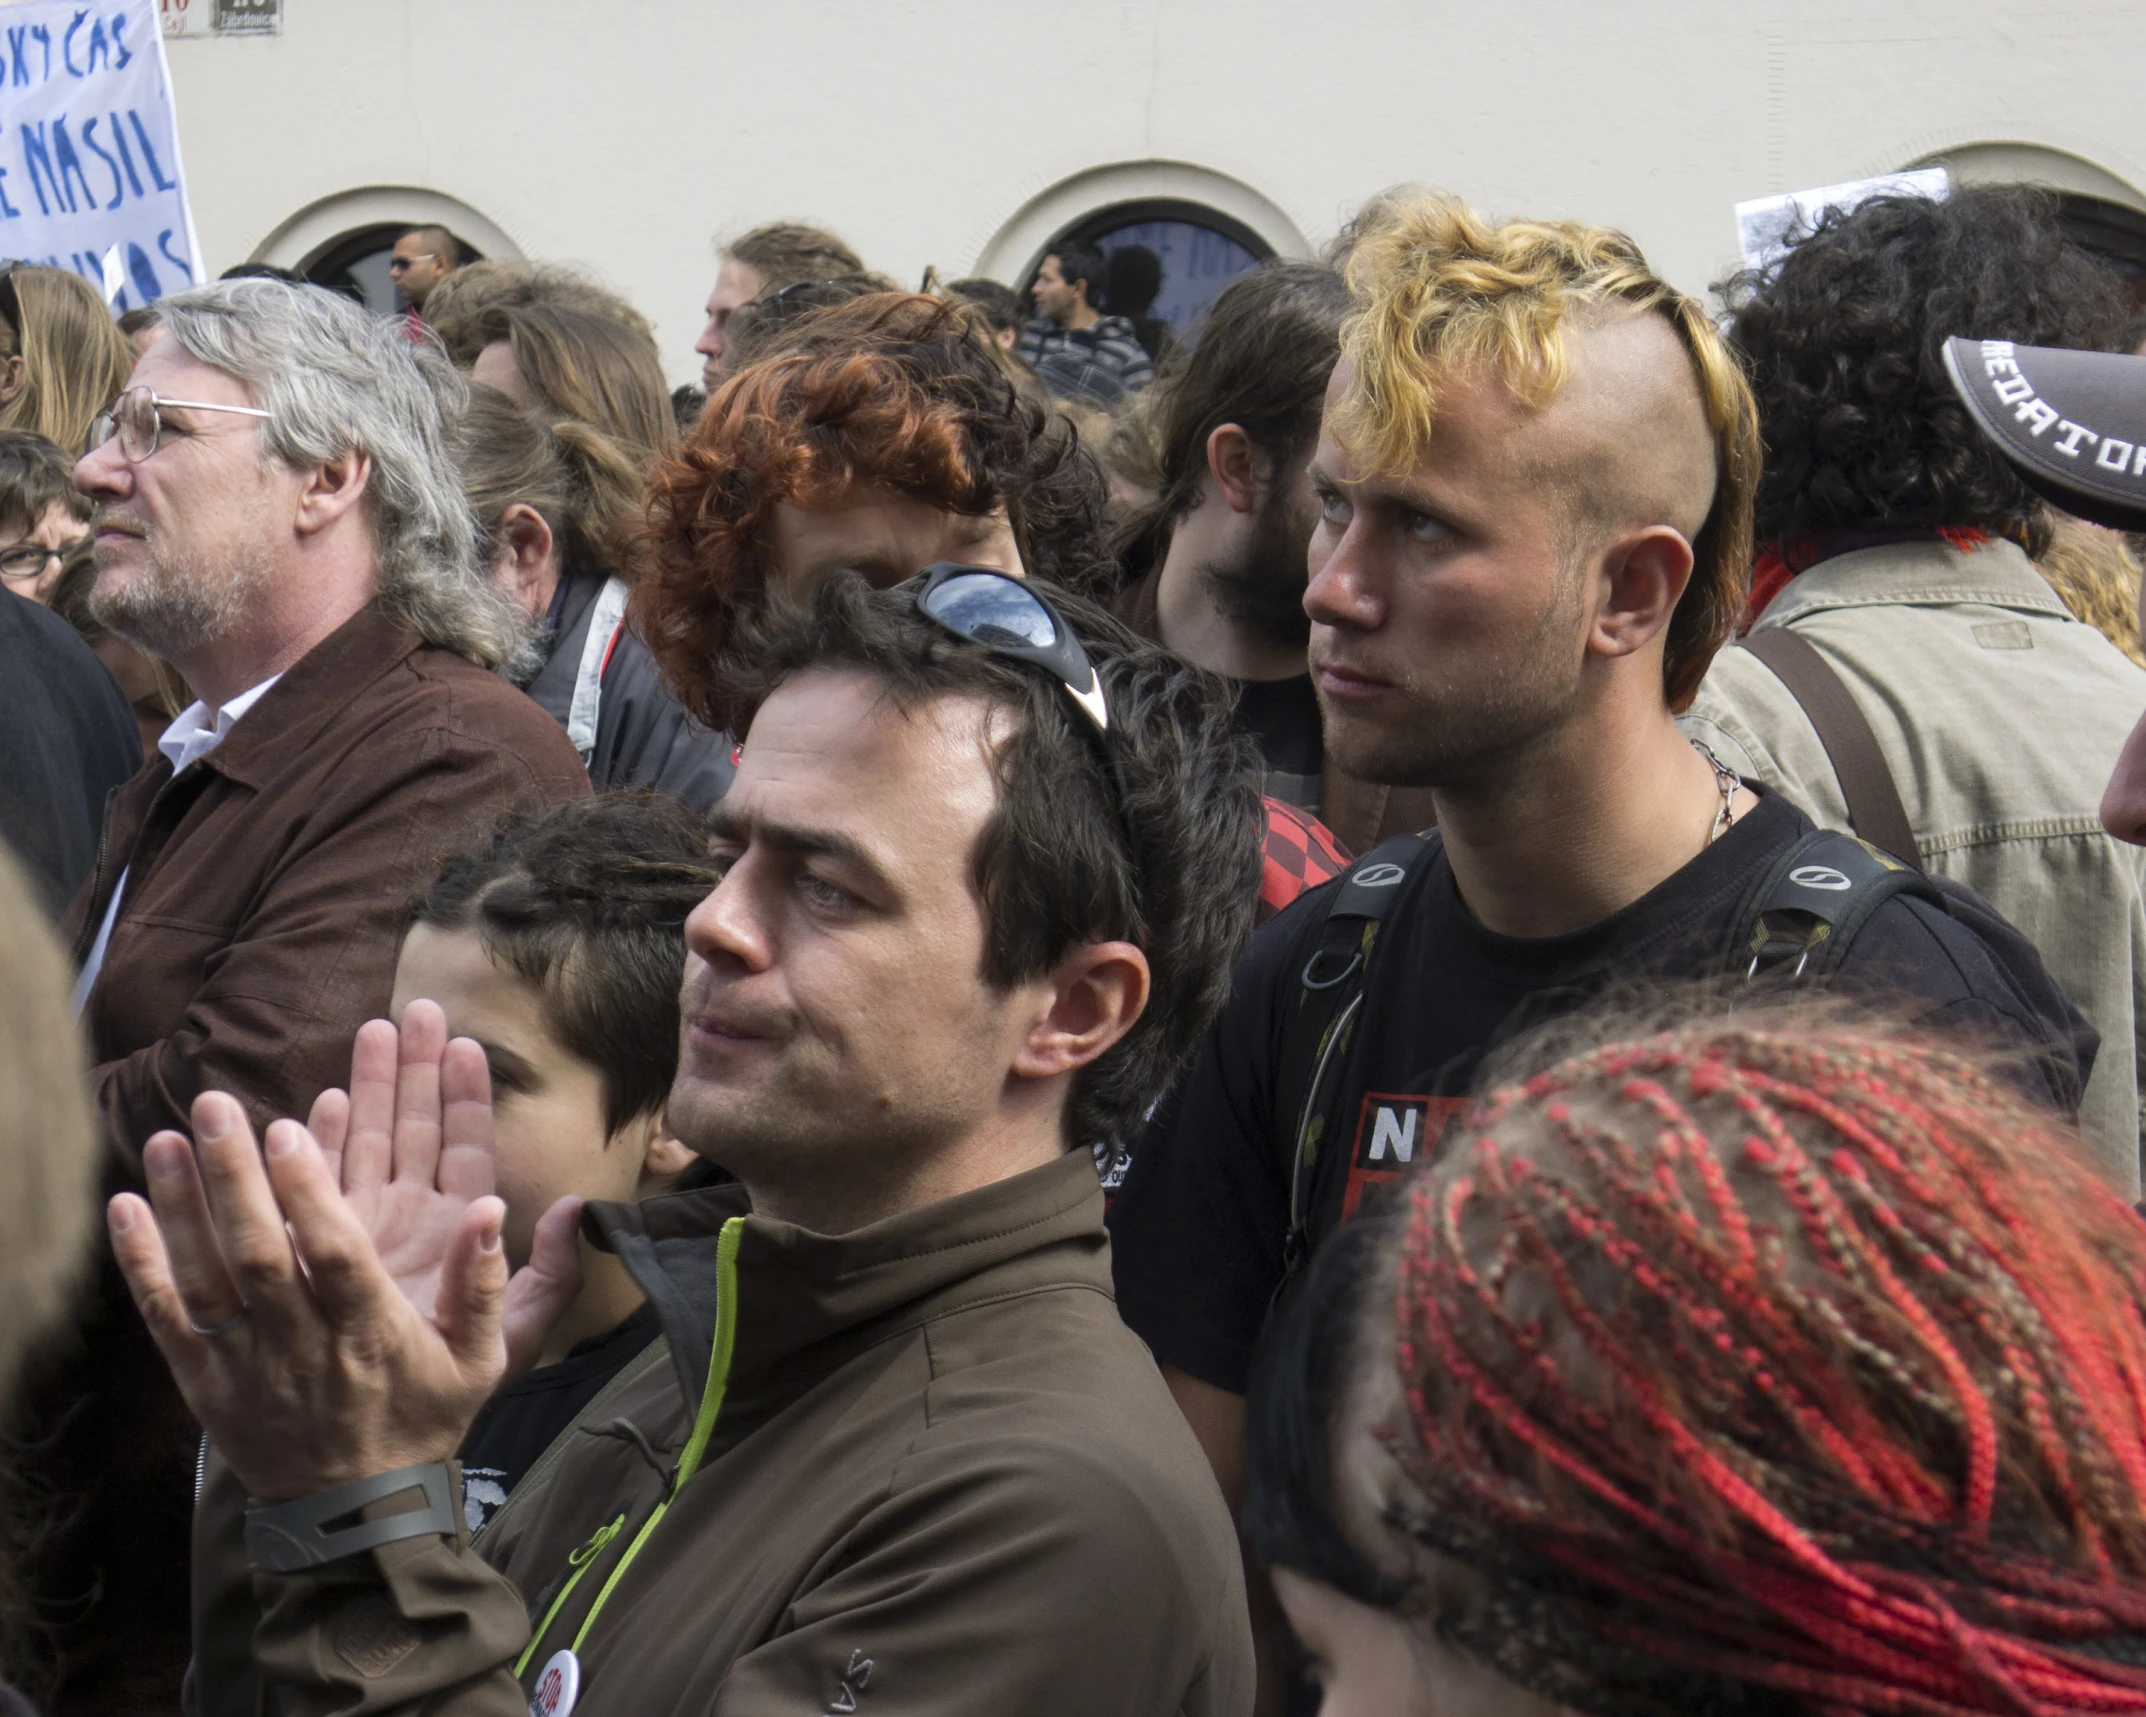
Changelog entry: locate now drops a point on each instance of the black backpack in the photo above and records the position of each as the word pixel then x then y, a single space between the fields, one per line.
pixel 1803 918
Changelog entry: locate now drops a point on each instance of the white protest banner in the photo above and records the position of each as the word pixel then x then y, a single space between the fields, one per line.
pixel 89 147
pixel 1764 225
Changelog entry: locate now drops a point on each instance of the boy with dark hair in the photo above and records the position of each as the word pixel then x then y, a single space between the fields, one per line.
pixel 984 869
pixel 558 946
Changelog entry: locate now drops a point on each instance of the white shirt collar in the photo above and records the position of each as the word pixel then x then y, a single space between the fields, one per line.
pixel 192 735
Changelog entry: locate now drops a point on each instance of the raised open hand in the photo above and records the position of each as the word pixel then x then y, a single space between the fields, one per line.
pixel 379 1349
pixel 411 1143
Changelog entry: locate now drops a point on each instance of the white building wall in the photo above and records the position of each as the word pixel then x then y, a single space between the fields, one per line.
pixel 625 135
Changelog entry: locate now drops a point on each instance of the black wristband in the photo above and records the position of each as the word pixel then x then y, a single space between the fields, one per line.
pixel 293 1535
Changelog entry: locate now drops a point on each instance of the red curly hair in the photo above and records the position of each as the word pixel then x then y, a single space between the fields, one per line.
pixel 890 390
pixel 1781 1366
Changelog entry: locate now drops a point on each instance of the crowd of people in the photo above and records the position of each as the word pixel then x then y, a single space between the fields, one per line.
pixel 1425 999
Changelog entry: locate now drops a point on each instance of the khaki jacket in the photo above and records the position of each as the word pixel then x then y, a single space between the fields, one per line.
pixel 2000 717
pixel 939 1476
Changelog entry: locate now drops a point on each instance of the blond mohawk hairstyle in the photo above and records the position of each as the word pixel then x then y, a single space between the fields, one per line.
pixel 1440 292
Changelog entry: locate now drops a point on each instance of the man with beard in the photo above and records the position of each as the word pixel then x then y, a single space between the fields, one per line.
pixel 1534 483
pixel 280 519
pixel 1217 561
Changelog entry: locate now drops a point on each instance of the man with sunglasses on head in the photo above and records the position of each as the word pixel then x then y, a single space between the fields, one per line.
pixel 981 884
pixel 278 518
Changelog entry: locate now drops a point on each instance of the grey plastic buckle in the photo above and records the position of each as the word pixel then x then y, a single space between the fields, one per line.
pixel 294 1535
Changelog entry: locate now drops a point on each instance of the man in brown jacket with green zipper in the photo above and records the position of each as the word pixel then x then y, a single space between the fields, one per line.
pixel 897 1455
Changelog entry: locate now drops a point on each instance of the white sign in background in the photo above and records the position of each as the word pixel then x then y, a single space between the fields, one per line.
pixel 89 148
pixel 1765 226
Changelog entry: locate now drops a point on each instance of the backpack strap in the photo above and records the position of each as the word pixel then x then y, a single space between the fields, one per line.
pixel 1810 904
pixel 1874 808
pixel 1330 991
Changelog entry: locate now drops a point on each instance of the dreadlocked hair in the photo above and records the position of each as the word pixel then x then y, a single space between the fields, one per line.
pixel 1771 1365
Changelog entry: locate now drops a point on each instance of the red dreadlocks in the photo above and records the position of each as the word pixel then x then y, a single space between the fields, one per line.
pixel 1799 1356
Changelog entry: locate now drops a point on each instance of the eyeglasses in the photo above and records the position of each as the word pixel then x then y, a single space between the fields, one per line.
pixel 25 563
pixel 137 419
pixel 1010 618
pixel 396 264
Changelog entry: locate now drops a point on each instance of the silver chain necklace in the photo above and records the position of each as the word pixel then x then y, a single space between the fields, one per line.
pixel 1728 780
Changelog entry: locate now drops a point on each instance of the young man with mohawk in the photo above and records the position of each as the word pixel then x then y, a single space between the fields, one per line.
pixel 1534 481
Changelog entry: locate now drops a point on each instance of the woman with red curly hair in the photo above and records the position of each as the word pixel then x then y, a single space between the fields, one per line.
pixel 1760 1366
pixel 882 435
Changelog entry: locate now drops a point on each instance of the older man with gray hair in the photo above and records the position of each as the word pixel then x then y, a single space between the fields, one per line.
pixel 280 519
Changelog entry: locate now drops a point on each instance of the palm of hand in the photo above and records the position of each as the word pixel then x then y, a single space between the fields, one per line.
pixel 335 1302
pixel 411 1227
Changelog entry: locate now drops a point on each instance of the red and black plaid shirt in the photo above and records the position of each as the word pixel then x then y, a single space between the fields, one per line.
pixel 1297 852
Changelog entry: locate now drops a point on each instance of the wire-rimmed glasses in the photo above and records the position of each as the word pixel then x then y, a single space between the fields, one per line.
pixel 136 418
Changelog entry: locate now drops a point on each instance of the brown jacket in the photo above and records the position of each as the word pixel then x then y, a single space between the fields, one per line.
pixel 266 889
pixel 942 1478
pixel 1360 812
pixel 265 895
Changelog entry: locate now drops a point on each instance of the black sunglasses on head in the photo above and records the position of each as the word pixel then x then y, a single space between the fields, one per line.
pixel 1011 618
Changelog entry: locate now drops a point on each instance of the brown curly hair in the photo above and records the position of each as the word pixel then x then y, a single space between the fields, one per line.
pixel 891 390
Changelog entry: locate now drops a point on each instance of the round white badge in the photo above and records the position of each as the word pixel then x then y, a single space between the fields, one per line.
pixel 558 1687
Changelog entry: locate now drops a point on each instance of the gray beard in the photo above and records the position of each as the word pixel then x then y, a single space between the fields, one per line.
pixel 174 609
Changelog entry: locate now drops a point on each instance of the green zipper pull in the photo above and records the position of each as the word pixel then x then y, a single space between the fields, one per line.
pixel 579 1561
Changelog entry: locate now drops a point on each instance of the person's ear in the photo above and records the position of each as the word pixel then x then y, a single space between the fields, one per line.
pixel 1096 994
pixel 663 1158
pixel 332 490
pixel 1237 468
pixel 14 377
pixel 524 568
pixel 1641 576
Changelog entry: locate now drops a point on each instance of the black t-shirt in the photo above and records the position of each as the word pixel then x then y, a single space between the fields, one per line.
pixel 521 1421
pixel 1283 716
pixel 1197 1229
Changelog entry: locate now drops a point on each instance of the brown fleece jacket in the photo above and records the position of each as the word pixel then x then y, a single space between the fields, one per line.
pixel 942 1478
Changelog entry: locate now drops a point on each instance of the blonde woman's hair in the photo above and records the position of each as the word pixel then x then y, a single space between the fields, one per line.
pixel 75 359
pixel 1441 293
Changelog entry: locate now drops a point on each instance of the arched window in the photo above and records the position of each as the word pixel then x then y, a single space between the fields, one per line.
pixel 2103 213
pixel 1200 228
pixel 1169 258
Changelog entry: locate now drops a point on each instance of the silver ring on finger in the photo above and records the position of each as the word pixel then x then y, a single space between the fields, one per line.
pixel 214 1332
